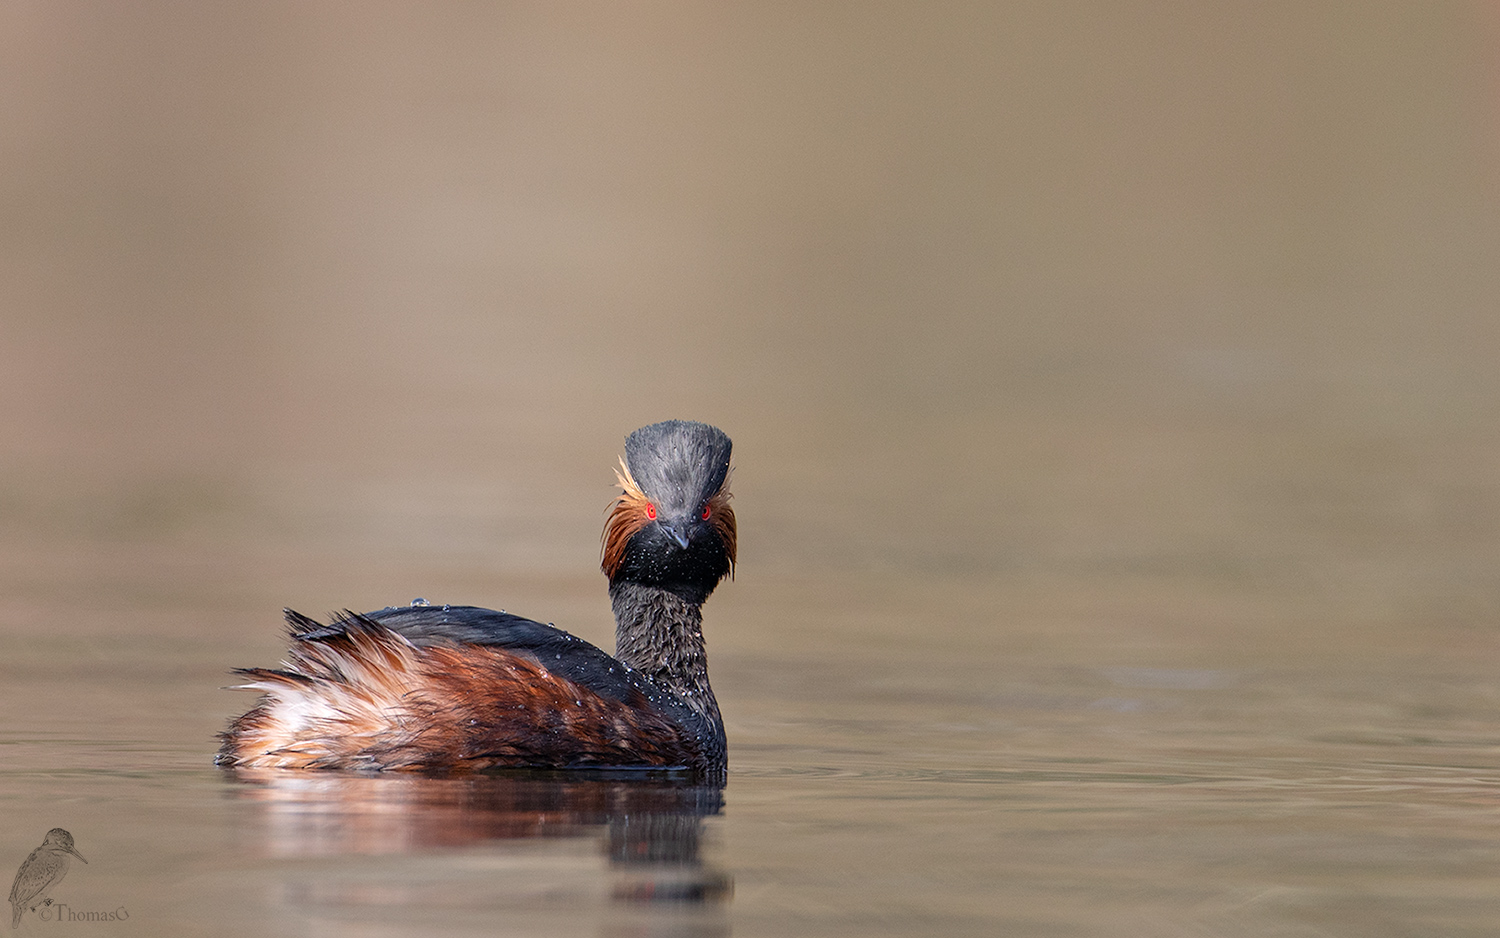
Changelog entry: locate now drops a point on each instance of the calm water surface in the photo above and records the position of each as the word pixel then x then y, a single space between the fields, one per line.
pixel 918 789
pixel 1113 393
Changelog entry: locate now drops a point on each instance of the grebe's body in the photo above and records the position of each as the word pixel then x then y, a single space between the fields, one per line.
pixel 458 687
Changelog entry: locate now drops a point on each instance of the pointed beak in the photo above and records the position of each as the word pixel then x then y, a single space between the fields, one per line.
pixel 76 854
pixel 679 537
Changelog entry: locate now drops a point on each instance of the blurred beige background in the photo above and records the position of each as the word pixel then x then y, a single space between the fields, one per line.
pixel 1165 326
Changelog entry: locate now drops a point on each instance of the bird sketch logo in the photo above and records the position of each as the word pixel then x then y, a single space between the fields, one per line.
pixel 45 868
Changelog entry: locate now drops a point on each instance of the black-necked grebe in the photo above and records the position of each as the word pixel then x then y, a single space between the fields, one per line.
pixel 459 687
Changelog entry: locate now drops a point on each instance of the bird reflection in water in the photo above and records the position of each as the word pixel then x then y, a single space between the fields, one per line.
pixel 653 823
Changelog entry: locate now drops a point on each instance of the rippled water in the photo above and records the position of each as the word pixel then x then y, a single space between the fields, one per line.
pixel 957 795
pixel 1113 399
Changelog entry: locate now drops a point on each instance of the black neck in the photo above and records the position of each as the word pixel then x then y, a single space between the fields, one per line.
pixel 660 634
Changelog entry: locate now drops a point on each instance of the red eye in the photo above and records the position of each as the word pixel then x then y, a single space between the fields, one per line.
pixel 650 510
pixel 706 512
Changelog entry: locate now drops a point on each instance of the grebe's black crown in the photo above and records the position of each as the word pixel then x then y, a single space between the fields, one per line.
pixel 678 463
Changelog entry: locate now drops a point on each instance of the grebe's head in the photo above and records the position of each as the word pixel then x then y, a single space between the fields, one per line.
pixel 672 526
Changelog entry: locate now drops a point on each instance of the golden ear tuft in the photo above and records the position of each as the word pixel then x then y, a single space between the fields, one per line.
pixel 722 518
pixel 631 511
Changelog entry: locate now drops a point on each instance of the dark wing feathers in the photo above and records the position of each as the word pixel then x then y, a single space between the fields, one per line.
pixel 300 625
pixel 465 625
pixel 563 654
pixel 291 677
